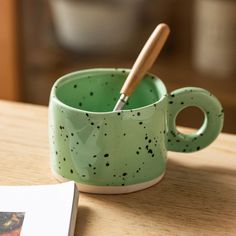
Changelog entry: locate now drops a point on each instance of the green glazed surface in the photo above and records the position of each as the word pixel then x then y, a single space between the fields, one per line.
pixel 93 145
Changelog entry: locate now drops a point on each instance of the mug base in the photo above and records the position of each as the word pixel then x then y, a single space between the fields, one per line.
pixel 111 189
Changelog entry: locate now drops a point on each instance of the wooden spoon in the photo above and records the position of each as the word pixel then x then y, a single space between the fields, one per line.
pixel 143 63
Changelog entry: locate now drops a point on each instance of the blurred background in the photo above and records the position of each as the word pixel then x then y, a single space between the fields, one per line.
pixel 42 40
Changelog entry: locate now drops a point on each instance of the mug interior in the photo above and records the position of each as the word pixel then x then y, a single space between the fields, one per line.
pixel 98 90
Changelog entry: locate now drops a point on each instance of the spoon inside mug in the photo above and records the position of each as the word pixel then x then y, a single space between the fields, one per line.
pixel 143 63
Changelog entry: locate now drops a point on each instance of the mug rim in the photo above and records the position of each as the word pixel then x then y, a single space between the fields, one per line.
pixel 66 77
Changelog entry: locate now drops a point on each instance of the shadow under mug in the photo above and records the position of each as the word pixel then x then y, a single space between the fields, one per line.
pixel 123 151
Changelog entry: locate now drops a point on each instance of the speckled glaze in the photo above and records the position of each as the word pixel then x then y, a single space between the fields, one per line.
pixel 97 147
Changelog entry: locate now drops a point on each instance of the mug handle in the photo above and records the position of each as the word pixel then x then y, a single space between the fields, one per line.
pixel 211 127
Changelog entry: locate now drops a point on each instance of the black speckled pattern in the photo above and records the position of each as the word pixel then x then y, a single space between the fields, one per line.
pixel 93 146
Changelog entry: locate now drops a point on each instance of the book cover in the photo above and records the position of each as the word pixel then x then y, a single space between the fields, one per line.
pixel 38 210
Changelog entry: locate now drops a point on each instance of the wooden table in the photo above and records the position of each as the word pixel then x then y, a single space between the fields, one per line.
pixel 196 197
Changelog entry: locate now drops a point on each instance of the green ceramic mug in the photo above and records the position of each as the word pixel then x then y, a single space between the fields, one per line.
pixel 124 151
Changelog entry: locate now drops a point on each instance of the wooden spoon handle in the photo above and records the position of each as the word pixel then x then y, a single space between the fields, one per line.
pixel 146 58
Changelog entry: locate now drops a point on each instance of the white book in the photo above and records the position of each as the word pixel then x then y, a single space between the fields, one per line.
pixel 41 210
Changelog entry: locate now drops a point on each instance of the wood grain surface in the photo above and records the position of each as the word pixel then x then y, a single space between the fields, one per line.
pixel 196 197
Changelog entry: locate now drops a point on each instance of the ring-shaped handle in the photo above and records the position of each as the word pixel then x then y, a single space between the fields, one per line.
pixel 211 127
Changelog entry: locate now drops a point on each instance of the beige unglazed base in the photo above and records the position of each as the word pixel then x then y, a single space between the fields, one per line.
pixel 111 189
